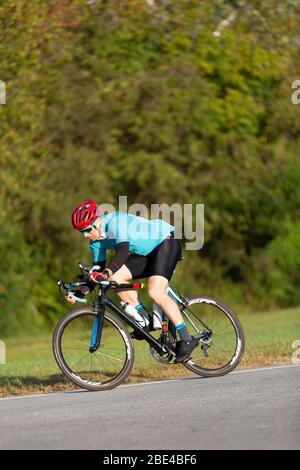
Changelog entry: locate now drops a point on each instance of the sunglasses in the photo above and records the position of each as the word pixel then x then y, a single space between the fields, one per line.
pixel 87 230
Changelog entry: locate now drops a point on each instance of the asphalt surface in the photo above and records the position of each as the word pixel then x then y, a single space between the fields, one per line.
pixel 247 409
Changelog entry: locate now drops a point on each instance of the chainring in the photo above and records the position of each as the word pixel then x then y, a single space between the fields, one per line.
pixel 162 359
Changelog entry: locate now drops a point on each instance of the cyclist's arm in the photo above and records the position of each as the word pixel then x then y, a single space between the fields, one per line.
pixel 118 230
pixel 90 284
pixel 122 253
pixel 99 259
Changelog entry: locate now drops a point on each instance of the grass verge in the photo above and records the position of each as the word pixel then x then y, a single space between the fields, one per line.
pixel 30 367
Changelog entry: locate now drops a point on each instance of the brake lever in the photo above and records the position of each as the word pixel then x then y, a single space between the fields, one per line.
pixel 60 287
pixel 88 269
pixel 63 286
pixel 82 267
pixel 94 268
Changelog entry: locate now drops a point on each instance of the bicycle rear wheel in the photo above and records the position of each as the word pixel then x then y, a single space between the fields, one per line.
pixel 222 346
pixel 103 369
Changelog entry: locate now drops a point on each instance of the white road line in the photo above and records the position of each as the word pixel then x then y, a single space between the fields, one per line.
pixel 242 371
pixel 286 366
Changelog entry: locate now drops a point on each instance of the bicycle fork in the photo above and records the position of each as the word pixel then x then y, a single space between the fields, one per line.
pixel 96 332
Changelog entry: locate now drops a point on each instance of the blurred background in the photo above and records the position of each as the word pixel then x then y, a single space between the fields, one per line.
pixel 164 101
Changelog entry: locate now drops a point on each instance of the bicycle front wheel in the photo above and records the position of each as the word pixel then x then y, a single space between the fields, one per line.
pixel 103 369
pixel 222 344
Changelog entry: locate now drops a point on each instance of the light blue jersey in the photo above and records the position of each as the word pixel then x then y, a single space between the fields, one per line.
pixel 142 234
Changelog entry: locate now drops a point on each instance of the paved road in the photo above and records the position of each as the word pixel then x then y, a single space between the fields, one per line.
pixel 247 409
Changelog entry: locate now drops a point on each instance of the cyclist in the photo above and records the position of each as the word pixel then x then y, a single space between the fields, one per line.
pixel 143 249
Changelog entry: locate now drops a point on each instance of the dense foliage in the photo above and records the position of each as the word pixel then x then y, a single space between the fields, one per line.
pixel 163 101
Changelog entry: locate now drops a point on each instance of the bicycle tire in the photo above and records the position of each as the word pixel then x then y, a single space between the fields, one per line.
pixel 112 322
pixel 240 340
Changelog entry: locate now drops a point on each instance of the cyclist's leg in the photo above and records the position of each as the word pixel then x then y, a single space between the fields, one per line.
pixel 132 269
pixel 121 276
pixel 157 286
pixel 157 291
pixel 161 266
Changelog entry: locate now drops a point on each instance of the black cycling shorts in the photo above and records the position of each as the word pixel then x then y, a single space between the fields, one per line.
pixel 161 261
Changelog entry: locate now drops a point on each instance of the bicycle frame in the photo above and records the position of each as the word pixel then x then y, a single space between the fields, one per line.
pixel 181 301
pixel 160 347
pixel 103 301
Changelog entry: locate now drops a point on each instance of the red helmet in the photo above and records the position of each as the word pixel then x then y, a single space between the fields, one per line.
pixel 84 214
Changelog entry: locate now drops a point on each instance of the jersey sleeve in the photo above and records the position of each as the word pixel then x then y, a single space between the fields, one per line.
pixel 98 253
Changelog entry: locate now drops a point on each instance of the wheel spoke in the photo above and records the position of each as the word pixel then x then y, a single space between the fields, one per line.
pixel 110 357
pixel 73 367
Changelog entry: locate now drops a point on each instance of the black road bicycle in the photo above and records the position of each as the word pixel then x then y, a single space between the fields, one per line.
pixel 94 349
